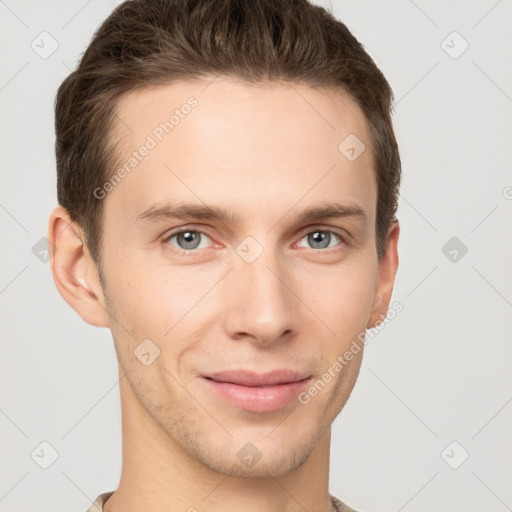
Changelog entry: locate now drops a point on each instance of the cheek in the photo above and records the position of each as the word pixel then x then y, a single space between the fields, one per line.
pixel 342 297
pixel 159 300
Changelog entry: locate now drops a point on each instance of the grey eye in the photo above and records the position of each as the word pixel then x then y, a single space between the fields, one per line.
pixel 188 239
pixel 321 239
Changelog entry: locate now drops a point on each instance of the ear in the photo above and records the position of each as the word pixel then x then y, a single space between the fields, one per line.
pixel 386 277
pixel 74 270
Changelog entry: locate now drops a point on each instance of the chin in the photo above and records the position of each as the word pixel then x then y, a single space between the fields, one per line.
pixel 266 456
pixel 268 466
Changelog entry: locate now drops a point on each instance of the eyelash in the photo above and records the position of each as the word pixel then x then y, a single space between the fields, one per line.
pixel 340 234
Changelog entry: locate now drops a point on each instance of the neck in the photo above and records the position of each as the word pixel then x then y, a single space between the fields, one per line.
pixel 158 475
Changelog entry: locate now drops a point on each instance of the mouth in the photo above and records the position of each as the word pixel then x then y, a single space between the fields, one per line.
pixel 257 392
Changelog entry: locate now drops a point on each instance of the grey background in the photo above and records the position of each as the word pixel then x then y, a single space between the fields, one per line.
pixel 439 372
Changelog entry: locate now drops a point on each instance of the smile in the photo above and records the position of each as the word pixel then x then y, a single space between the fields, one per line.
pixel 257 392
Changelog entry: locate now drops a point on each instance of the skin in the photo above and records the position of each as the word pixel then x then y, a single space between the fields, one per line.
pixel 265 154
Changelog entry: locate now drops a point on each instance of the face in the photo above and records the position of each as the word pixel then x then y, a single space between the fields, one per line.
pixel 240 264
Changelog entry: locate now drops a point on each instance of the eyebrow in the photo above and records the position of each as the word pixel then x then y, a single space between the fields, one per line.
pixel 162 212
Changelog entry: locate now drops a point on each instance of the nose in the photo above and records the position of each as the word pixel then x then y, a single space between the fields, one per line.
pixel 260 305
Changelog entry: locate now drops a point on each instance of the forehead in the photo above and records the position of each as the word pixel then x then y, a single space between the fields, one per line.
pixel 233 100
pixel 221 141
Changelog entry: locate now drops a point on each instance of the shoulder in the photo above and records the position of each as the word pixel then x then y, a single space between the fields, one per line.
pixel 97 506
pixel 339 506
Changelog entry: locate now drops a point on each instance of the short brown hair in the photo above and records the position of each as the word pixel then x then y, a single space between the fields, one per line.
pixel 155 42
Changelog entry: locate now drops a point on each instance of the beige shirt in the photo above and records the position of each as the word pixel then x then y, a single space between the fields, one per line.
pixel 97 506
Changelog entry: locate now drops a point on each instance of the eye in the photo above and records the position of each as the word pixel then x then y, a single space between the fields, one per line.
pixel 322 239
pixel 188 239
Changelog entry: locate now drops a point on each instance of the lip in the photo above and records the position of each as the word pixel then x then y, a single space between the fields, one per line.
pixel 258 392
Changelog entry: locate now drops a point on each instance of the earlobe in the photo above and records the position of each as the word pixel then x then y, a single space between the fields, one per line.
pixel 386 277
pixel 74 270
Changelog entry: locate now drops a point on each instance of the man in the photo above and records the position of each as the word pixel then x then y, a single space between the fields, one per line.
pixel 227 178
